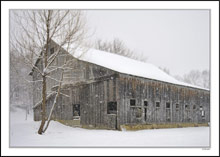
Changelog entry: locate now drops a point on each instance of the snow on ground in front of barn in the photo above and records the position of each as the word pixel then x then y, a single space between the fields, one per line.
pixel 23 133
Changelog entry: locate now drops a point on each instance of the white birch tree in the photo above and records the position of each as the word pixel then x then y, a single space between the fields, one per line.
pixel 33 33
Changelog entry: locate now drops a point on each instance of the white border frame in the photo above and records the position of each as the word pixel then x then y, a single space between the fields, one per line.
pixel 213 5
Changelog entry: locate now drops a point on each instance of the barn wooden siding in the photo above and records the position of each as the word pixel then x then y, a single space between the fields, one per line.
pixel 152 91
pixel 93 99
pixel 93 87
pixel 121 88
pixel 81 72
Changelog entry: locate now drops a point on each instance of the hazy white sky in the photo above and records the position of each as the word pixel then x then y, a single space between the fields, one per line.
pixel 175 39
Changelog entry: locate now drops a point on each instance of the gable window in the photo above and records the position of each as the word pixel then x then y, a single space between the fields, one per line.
pixel 112 107
pixel 145 103
pixel 51 51
pixel 167 105
pixel 132 102
pixel 157 104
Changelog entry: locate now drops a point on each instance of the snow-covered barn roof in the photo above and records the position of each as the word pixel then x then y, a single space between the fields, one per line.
pixel 126 65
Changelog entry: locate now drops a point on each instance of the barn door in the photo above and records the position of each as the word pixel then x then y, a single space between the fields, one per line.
pixel 145 110
pixel 76 114
pixel 168 114
pixel 145 114
pixel 76 110
pixel 112 114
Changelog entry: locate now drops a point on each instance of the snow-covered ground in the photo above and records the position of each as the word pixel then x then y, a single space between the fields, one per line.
pixel 23 133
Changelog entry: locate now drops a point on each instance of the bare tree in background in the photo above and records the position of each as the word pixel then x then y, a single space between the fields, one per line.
pixel 196 77
pixel 166 70
pixel 199 78
pixel 34 32
pixel 192 77
pixel 206 78
pixel 19 88
pixel 118 47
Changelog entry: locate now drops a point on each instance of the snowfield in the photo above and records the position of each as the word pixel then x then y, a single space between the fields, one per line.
pixel 23 133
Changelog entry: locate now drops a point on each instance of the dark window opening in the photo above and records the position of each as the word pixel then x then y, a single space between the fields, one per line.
pixel 132 102
pixel 76 109
pixel 145 114
pixel 168 105
pixel 157 104
pixel 177 106
pixel 51 51
pixel 112 107
pixel 194 107
pixel 145 103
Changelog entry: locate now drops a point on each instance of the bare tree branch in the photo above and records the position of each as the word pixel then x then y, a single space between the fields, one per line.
pixel 118 47
pixel 36 31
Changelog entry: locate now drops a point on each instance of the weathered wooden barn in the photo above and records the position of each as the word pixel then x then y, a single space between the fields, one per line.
pixel 108 91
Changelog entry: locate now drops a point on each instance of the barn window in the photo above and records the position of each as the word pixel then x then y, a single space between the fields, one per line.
pixel 76 109
pixel 112 107
pixel 200 107
pixel 157 104
pixel 145 103
pixel 132 102
pixel 194 107
pixel 168 105
pixel 177 106
pixel 51 51
pixel 187 107
pixel 203 113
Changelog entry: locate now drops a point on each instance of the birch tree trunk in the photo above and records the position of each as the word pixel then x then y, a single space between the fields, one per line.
pixel 54 103
pixel 44 83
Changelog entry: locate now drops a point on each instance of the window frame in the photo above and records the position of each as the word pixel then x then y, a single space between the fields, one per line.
pixel 203 114
pixel 51 51
pixel 169 105
pixel 77 109
pixel 110 111
pixel 145 104
pixel 177 108
pixel 156 103
pixel 134 102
